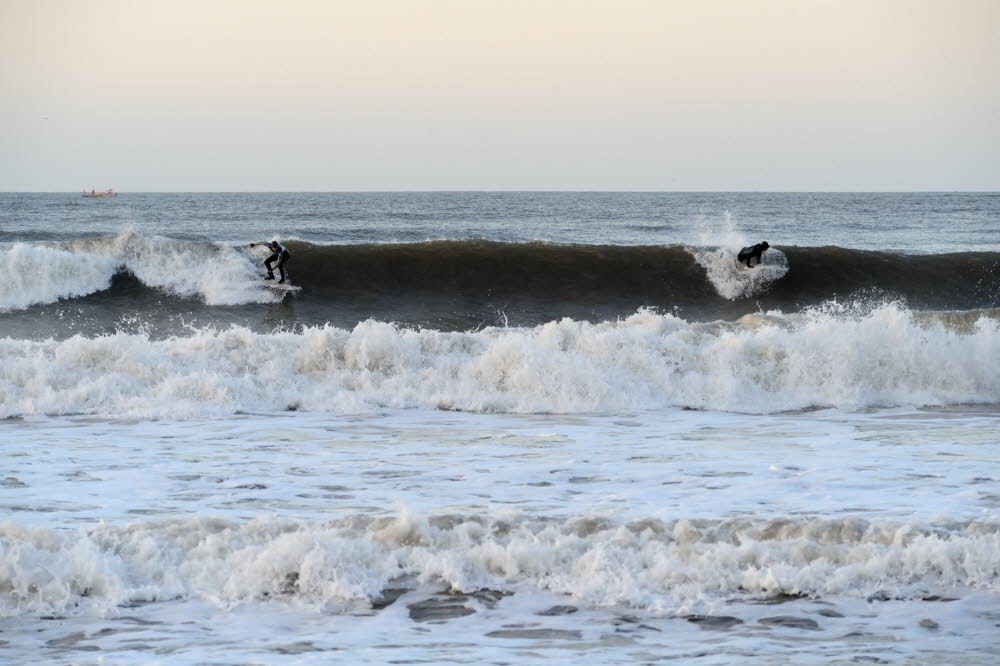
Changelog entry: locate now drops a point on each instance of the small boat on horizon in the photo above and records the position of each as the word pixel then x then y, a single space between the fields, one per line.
pixel 110 194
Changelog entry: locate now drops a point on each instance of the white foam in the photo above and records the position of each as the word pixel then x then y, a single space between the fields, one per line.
pixel 33 274
pixel 216 272
pixel 760 364
pixel 651 564
pixel 44 273
pixel 716 250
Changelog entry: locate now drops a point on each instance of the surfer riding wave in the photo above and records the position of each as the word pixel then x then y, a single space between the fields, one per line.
pixel 279 254
pixel 752 252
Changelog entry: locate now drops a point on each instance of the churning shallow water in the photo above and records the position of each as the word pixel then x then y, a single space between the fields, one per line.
pixel 428 535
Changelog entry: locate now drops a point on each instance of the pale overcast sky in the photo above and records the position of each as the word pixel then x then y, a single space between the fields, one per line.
pixel 240 95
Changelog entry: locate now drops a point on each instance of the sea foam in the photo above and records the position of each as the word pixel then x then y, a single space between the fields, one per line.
pixel 34 274
pixel 663 566
pixel 760 364
pixel 44 273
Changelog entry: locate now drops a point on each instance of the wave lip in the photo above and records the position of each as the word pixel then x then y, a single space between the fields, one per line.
pixel 661 566
pixel 759 364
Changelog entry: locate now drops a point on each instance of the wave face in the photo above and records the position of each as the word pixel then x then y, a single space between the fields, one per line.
pixel 458 285
pixel 759 364
pixel 648 275
pixel 345 564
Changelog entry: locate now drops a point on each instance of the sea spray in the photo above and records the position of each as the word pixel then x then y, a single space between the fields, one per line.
pixel 716 251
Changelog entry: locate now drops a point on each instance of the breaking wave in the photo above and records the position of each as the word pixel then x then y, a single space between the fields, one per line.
pixel 764 363
pixel 345 564
pixel 44 273
pixel 472 274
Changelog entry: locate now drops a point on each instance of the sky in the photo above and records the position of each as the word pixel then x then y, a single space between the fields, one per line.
pixel 681 95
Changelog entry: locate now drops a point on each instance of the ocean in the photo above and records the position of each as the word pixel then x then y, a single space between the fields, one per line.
pixel 500 428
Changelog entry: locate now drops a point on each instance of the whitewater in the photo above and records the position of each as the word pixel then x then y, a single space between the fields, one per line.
pixel 500 427
pixel 40 273
pixel 759 364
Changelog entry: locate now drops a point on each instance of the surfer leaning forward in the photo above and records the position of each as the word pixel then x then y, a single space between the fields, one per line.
pixel 752 252
pixel 280 254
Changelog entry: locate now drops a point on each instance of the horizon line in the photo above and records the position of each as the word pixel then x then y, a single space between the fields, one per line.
pixel 515 191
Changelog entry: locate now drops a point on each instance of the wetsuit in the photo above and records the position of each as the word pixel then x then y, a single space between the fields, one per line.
pixel 748 253
pixel 281 256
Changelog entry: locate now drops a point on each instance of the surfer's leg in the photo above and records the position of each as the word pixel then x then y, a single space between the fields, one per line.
pixel 281 266
pixel 267 265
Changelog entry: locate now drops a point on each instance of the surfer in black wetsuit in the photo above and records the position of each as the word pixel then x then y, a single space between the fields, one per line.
pixel 752 252
pixel 280 254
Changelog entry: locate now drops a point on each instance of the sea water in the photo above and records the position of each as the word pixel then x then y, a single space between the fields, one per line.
pixel 499 428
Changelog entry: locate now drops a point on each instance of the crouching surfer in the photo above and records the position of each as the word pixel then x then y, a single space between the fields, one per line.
pixel 279 254
pixel 752 252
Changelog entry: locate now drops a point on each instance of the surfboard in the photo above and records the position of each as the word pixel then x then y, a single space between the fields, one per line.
pixel 281 287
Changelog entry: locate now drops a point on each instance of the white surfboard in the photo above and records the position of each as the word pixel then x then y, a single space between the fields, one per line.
pixel 285 286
